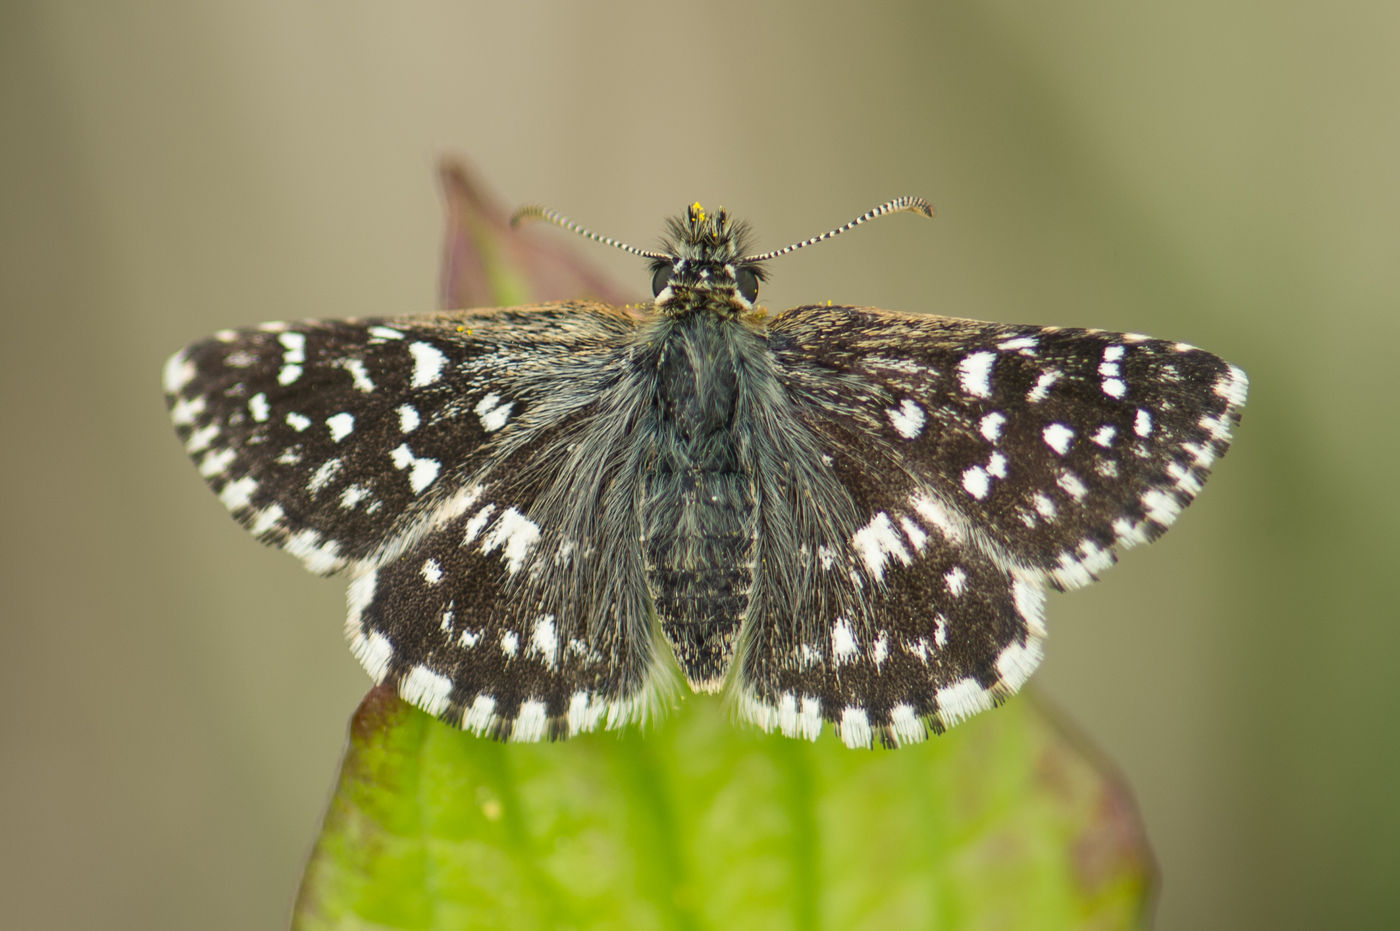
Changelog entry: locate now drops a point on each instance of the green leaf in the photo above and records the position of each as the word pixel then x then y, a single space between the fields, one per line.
pixel 699 823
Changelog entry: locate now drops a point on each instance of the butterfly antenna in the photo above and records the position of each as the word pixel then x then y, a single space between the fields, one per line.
pixel 536 212
pixel 898 205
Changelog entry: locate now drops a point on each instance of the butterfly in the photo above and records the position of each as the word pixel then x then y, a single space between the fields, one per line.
pixel 554 518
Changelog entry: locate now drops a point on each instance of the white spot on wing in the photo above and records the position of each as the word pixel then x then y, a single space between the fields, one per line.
pixel 543 640
pixel 1072 485
pixel 480 716
pixel 1217 427
pixel 975 373
pixel 1142 423
pixel 1030 604
pixel 976 482
pixel 408 418
pixel 962 700
pixel 809 718
pixel 352 496
pixel 421 471
pixel 1019 342
pixel 1017 662
pixel 515 534
pixel 258 407
pixel 265 520
pixel 493 412
pixel 426 689
pixel 530 723
pixel 936 515
pixel 787 714
pixel 216 462
pixel 358 596
pixel 476 522
pixel 510 643
pixel 1233 386
pixel 428 361
pixel 374 651
pixel 179 372
pixel 583 712
pixel 1041 389
pixel 341 425
pixel 854 727
pixel 359 375
pixel 317 554
pixel 905 725
pixel 1104 435
pixel 843 642
pixel 293 347
pixel 956 580
pixel 990 426
pixel 237 494
pixel 1162 507
pixel 201 438
pixel 431 571
pixel 184 411
pixel 323 475
pixel 877 541
pixel 915 533
pixel 1058 436
pixel 298 422
pixel 908 418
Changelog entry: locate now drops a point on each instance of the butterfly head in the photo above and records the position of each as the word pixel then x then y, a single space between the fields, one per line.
pixel 703 265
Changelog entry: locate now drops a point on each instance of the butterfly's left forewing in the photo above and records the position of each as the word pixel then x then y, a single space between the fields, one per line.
pixel 982 462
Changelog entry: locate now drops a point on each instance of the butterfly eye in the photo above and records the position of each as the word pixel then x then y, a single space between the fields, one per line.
pixel 747 283
pixel 660 279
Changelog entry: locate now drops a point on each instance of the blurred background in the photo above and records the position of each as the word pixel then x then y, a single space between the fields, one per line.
pixel 175 697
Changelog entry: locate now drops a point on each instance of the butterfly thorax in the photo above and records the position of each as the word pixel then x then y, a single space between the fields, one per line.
pixel 703 270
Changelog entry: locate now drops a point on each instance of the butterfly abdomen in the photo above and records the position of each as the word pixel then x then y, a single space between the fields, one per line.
pixel 698 500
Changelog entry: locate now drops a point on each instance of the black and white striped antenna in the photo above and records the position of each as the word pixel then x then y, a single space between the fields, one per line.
pixel 536 212
pixel 898 205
